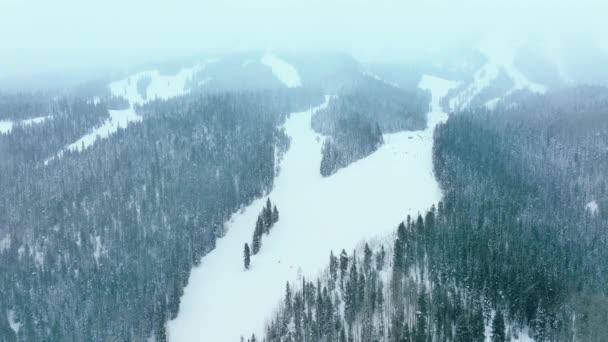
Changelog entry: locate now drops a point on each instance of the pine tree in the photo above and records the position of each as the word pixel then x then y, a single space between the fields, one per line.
pixel 288 300
pixel 343 266
pixel 405 335
pixel 463 333
pixel 498 327
pixel 275 215
pixel 398 256
pixel 540 324
pixel 477 324
pixel 367 259
pixel 421 314
pixel 380 259
pixel 256 244
pixel 333 266
pixel 267 216
pixel 246 256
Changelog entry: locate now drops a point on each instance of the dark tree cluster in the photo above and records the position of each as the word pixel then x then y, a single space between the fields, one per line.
pixel 266 220
pixel 380 298
pixel 392 108
pixel 29 145
pixel 355 120
pixel 511 247
pixel 99 244
pixel 353 139
pixel 21 106
pixel 498 87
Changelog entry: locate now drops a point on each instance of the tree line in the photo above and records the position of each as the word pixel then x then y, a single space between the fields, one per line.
pixel 266 220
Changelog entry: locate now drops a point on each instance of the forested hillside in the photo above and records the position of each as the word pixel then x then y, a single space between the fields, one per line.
pixel 517 247
pixel 355 119
pixel 98 245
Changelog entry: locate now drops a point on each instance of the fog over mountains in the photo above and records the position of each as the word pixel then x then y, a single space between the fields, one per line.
pixel 321 171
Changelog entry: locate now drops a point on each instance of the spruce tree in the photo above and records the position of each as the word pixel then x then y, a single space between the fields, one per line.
pixel 256 243
pixel 380 259
pixel 367 259
pixel 477 325
pixel 288 300
pixel 343 265
pixel 267 216
pixel 421 314
pixel 275 215
pixel 498 327
pixel 246 256
pixel 463 333
pixel 333 266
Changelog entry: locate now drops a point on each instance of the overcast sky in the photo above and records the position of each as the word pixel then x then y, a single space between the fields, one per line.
pixel 48 36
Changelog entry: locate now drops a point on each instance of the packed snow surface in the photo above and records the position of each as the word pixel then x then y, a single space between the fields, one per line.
pixel 317 215
pixel 282 70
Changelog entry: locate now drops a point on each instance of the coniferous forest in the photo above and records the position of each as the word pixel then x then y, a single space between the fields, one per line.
pixel 100 243
pixel 355 119
pixel 513 248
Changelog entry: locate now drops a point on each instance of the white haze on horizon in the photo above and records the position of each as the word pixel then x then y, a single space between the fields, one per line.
pixel 52 36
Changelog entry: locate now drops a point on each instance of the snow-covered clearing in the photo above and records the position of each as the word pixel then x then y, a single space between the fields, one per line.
pixel 500 58
pixel 592 207
pixel 158 87
pixel 5 243
pixel 118 119
pixel 378 78
pixel 6 126
pixel 366 199
pixel 12 322
pixel 282 70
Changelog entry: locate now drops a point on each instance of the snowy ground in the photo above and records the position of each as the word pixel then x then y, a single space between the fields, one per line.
pixel 118 119
pixel 282 70
pixel 592 207
pixel 366 199
pixel 500 58
pixel 159 87
pixel 7 126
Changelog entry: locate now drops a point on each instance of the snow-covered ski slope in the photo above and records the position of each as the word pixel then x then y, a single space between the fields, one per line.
pixel 365 200
pixel 500 58
pixel 282 70
pixel 159 86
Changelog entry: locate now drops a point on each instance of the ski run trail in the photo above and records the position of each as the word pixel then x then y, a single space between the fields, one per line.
pixel 161 87
pixel 222 302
